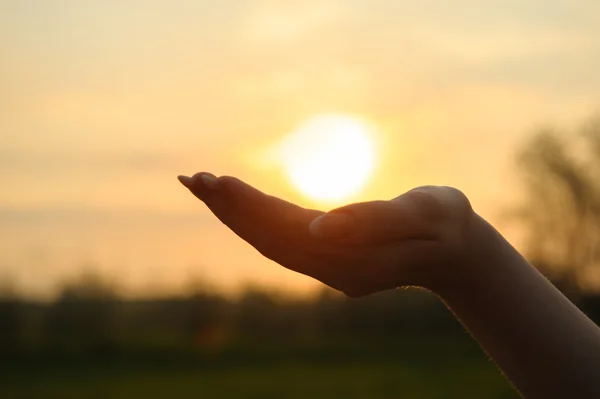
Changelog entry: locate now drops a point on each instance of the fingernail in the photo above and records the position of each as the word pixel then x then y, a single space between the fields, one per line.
pixel 186 181
pixel 210 181
pixel 331 225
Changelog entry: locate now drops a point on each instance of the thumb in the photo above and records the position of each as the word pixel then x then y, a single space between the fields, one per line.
pixel 370 223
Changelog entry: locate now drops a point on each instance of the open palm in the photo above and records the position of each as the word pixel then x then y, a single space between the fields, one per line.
pixel 358 249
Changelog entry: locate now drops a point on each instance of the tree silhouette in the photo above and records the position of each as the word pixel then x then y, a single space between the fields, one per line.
pixel 561 208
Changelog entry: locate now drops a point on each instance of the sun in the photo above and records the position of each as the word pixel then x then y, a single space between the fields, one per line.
pixel 329 158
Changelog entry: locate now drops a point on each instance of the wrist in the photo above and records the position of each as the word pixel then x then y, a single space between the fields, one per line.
pixel 477 254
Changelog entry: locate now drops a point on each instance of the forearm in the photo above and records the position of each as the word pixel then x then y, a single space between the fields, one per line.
pixel 541 341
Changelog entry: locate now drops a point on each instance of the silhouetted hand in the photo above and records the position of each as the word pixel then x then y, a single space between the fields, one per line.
pixel 428 237
pixel 418 238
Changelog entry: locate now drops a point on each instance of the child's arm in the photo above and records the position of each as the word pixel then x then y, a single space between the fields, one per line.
pixel 432 238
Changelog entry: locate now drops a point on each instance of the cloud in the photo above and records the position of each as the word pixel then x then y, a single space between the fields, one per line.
pixel 284 23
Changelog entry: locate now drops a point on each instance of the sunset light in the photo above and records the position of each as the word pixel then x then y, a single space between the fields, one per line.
pixel 195 194
pixel 330 157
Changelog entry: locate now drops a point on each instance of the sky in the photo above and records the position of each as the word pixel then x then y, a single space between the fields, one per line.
pixel 104 103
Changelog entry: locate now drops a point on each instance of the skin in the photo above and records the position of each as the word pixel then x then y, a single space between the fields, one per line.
pixel 428 237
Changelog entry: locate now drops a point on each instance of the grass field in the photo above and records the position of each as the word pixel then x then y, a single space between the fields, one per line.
pixel 413 374
pixel 363 380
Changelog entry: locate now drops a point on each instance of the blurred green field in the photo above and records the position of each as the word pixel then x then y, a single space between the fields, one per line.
pixel 410 369
pixel 290 380
pixel 402 344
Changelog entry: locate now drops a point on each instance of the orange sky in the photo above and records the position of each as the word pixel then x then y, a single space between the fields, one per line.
pixel 102 104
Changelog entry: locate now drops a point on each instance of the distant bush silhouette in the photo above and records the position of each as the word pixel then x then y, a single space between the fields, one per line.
pixel 89 318
pixel 560 211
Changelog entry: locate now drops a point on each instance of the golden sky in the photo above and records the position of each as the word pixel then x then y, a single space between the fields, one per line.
pixel 103 103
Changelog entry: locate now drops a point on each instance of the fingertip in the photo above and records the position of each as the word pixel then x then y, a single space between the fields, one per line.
pixel 210 181
pixel 202 184
pixel 186 181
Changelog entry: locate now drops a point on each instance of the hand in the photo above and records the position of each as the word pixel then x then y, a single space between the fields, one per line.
pixel 419 238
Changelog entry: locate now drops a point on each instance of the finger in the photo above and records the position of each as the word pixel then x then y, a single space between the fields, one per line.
pixel 373 222
pixel 244 208
pixel 237 202
pixel 276 228
pixel 201 184
pixel 284 218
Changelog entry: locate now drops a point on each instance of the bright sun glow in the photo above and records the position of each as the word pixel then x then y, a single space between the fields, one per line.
pixel 329 157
